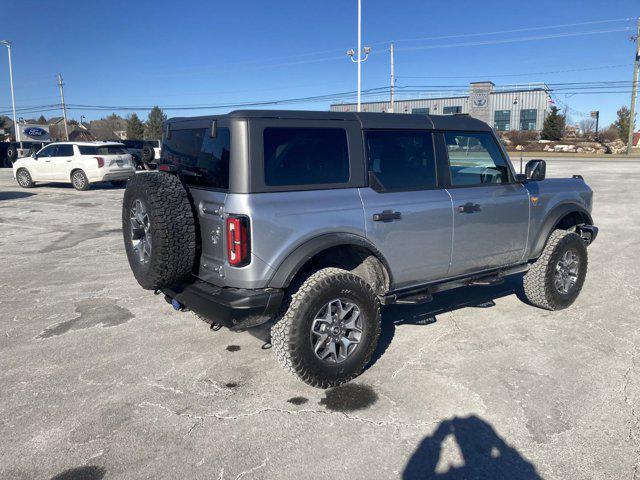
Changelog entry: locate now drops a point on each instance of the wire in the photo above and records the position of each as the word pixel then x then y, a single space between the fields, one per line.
pixel 602 67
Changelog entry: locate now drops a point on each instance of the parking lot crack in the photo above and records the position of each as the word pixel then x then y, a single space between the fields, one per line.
pixel 253 469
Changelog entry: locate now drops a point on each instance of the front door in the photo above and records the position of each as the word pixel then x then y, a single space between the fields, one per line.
pixel 43 165
pixel 491 210
pixel 407 216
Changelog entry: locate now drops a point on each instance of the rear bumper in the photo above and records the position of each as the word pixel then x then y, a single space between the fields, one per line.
pixel 108 176
pixel 236 308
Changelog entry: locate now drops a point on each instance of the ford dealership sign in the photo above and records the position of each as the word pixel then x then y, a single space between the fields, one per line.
pixel 34 132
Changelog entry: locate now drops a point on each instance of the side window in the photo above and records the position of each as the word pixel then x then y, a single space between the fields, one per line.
pixel 48 151
pixel 212 164
pixel 305 156
pixel 64 151
pixel 475 159
pixel 402 159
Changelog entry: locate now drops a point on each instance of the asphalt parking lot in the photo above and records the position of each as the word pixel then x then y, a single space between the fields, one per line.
pixel 101 379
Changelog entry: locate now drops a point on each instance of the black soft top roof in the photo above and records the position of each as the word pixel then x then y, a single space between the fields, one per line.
pixel 366 119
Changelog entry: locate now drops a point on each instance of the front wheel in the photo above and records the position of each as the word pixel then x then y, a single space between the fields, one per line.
pixel 328 328
pixel 24 178
pixel 555 280
pixel 79 180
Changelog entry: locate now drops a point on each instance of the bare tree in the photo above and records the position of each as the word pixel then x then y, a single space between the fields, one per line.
pixel 588 126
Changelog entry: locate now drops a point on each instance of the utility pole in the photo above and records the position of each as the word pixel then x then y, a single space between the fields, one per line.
pixel 64 108
pixel 16 129
pixel 393 82
pixel 634 91
pixel 366 52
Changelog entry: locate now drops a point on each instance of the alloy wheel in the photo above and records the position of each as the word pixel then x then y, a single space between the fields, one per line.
pixel 336 331
pixel 566 274
pixel 140 231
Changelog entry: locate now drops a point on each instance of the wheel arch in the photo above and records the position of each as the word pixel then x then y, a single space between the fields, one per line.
pixel 345 250
pixel 563 217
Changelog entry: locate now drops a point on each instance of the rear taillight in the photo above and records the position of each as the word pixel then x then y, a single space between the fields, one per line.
pixel 238 242
pixel 100 161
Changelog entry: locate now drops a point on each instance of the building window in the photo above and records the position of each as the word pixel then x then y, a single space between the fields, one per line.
pixel 528 119
pixel 451 110
pixel 422 111
pixel 502 120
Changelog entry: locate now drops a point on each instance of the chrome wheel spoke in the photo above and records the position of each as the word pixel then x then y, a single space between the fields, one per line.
pixel 566 272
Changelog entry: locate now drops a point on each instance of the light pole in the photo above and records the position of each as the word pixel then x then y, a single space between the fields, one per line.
pixel 7 43
pixel 365 50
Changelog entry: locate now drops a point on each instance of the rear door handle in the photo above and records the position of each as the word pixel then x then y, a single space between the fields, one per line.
pixel 469 208
pixel 387 216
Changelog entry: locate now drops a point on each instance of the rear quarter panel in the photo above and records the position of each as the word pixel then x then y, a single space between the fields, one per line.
pixel 283 221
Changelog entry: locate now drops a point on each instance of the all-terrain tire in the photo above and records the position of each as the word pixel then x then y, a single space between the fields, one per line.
pixel 79 180
pixel 539 284
pixel 23 177
pixel 291 333
pixel 12 154
pixel 171 228
pixel 148 154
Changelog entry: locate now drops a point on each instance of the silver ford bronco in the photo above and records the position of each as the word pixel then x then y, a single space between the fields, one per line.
pixel 313 220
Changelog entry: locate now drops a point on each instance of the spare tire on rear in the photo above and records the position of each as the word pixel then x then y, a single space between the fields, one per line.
pixel 159 230
pixel 148 153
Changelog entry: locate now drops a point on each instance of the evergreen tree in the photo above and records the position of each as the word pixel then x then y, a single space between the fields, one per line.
pixel 553 127
pixel 135 128
pixel 41 120
pixel 622 123
pixel 153 125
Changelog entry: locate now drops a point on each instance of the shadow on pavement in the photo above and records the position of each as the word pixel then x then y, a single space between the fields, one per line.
pixel 448 301
pixel 15 195
pixel 467 448
pixel 89 472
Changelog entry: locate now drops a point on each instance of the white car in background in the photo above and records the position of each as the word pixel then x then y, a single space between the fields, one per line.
pixel 78 163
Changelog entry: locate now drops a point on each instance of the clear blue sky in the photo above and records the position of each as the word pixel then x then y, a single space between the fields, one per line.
pixel 186 52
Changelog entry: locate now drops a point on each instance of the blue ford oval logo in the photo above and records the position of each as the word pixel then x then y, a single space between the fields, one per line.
pixel 35 132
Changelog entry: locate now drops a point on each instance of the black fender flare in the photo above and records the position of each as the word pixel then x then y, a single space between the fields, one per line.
pixel 550 222
pixel 297 258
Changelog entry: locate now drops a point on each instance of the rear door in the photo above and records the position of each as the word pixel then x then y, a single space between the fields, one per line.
pixel 60 163
pixel 491 210
pixel 408 215
pixel 203 163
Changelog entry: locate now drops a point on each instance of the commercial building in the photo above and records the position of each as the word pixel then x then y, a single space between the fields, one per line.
pixel 504 108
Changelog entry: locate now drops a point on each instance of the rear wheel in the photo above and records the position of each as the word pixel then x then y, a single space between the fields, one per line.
pixel 555 280
pixel 24 178
pixel 79 180
pixel 328 328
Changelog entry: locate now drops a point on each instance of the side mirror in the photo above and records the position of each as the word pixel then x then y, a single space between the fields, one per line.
pixel 34 155
pixel 535 170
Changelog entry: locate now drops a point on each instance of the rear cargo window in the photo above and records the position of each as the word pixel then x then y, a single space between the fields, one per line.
pixel 305 156
pixel 102 150
pixel 202 160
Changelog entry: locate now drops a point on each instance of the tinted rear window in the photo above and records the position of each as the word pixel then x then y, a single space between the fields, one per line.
pixel 202 160
pixel 102 150
pixel 64 151
pixel 305 156
pixel 402 159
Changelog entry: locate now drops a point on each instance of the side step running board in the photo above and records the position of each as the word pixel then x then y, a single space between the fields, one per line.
pixel 425 293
